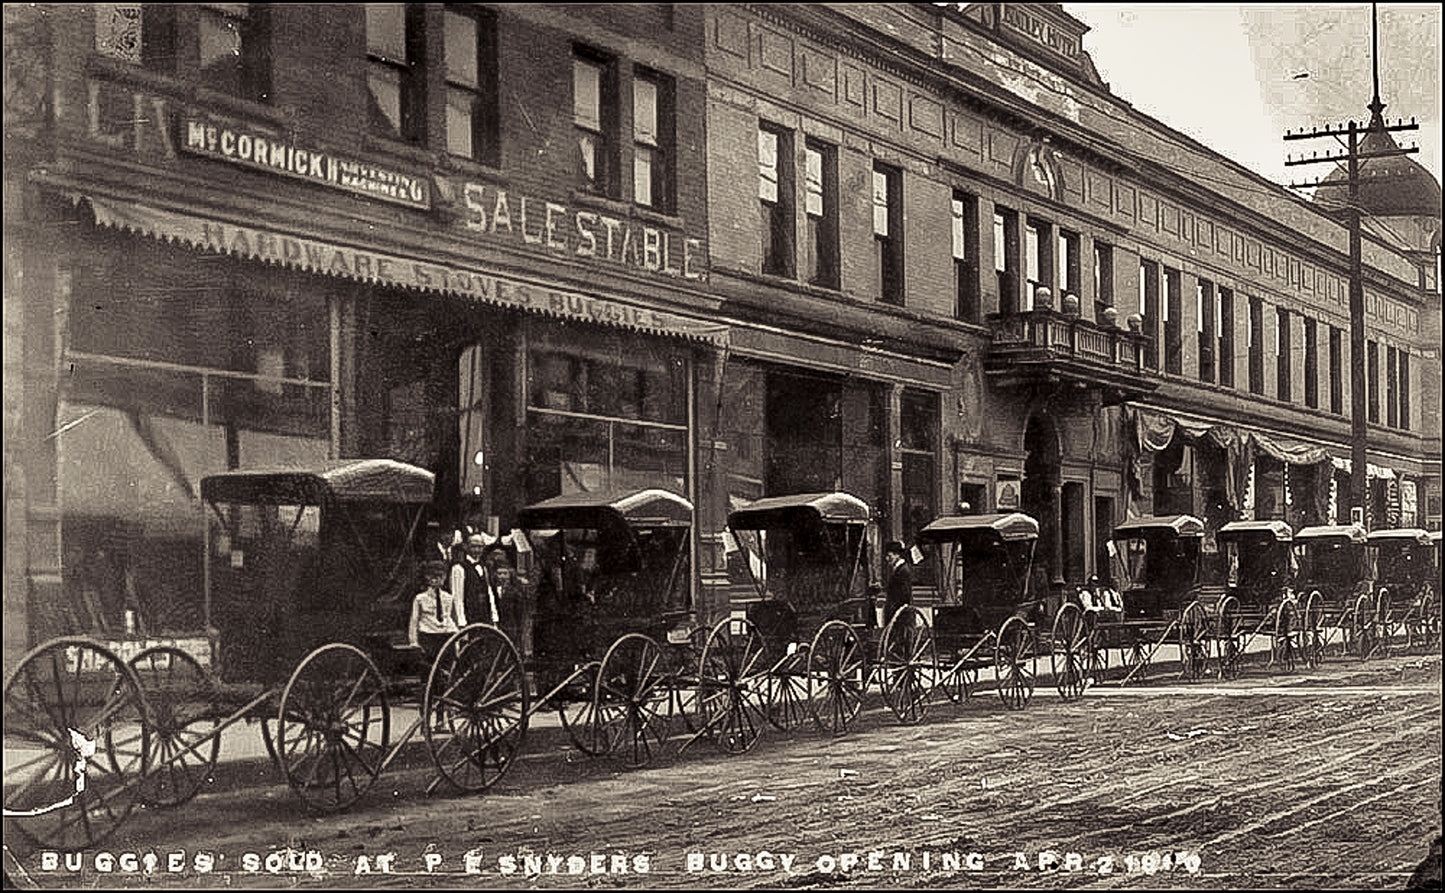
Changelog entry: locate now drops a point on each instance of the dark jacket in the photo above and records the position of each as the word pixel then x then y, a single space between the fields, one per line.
pixel 899 588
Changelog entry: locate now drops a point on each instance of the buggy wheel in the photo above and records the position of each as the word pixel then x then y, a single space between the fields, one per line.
pixel 1098 651
pixel 181 697
pixel 632 679
pixel 958 683
pixel 1228 632
pixel 1385 623
pixel 836 676
pixel 333 728
pixel 728 707
pixel 474 709
pixel 1282 644
pixel 787 695
pixel 1361 630
pixel 1194 636
pixel 590 723
pixel 1015 662
pixel 77 744
pixel 1426 635
pixel 1135 659
pixel 1312 632
pixel 1070 652
pixel 909 664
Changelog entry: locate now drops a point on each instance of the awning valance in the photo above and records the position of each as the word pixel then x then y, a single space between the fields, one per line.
pixel 418 274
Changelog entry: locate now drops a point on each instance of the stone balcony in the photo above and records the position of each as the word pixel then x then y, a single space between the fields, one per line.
pixel 1050 349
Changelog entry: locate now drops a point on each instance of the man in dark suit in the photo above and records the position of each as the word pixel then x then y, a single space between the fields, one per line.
pixel 899 584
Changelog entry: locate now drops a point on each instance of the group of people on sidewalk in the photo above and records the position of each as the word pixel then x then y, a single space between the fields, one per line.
pixel 480 585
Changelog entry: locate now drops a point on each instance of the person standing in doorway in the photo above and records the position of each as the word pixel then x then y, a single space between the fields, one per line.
pixel 472 584
pixel 899 585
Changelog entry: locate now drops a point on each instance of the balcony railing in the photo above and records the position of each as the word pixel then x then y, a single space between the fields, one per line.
pixel 1047 344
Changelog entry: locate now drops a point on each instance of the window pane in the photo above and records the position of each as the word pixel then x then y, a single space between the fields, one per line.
pixel 960 250
pixel 813 181
pixel 461 50
pixel 459 122
pixel 587 94
pixel 587 148
pixel 1000 261
pixel 386 30
pixel 880 203
pixel 767 166
pixel 385 84
pixel 1031 253
pixel 644 112
pixel 642 176
pixel 220 39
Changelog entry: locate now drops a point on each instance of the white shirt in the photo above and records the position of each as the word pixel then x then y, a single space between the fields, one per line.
pixel 425 617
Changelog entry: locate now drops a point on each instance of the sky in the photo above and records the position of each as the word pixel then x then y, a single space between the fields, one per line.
pixel 1234 78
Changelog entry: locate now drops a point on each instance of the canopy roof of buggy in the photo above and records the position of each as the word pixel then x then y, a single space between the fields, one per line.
pixel 1344 533
pixel 1011 527
pixel 1236 531
pixel 1178 525
pixel 634 508
pixel 1401 535
pixel 349 480
pixel 788 511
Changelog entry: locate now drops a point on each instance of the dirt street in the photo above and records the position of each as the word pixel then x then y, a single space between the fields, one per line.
pixel 1322 779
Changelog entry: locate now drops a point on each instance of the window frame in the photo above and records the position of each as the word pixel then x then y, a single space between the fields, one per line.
pixel 776 221
pixel 963 210
pixel 484 111
pixel 888 245
pixel 822 228
pixel 410 74
pixel 605 179
pixel 661 151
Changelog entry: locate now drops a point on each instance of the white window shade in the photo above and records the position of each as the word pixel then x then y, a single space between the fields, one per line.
pixel 880 203
pixel 960 249
pixel 587 94
pixel 767 166
pixel 813 182
pixel 461 49
pixel 644 112
pixel 386 30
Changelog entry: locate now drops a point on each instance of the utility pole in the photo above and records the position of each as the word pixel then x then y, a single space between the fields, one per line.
pixel 1352 158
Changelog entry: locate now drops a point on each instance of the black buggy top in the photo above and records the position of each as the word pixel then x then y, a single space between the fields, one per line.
pixel 609 563
pixel 1333 558
pixel 983 562
pixel 1264 554
pixel 300 557
pixel 1403 556
pixel 1160 557
pixel 806 555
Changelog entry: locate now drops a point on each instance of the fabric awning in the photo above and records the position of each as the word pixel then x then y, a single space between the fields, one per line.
pixel 418 274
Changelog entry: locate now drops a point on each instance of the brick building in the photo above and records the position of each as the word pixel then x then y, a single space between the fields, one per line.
pixel 917 252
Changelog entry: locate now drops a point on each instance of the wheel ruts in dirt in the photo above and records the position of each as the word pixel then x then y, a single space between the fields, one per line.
pixel 181 696
pixel 1015 663
pixel 475 707
pixel 908 663
pixel 837 676
pixel 333 729
pixel 1070 652
pixel 731 682
pixel 64 698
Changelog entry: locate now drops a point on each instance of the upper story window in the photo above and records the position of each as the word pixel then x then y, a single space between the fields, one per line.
pixel 1337 372
pixel 652 139
pixel 1392 383
pixel 1103 279
pixel 471 75
pixel 1372 380
pixel 1283 355
pixel 820 210
pixel 1006 258
pixel 1149 296
pixel 888 231
pixel 1205 310
pixel 394 58
pixel 1403 391
pixel 1312 364
pixel 1173 323
pixel 1256 346
pixel 964 211
pixel 1224 325
pixel 594 115
pixel 225 46
pixel 1036 260
pixel 1069 268
pixel 775 194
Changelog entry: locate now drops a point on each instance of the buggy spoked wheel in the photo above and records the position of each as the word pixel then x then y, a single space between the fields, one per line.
pixel 1194 636
pixel 1361 630
pixel 1385 622
pixel 1312 631
pixel 333 728
pixel 180 695
pixel 1135 659
pixel 474 709
pixel 632 678
pixel 683 661
pixel 909 665
pixel 836 676
pixel 590 723
pixel 1228 633
pixel 731 672
pixel 1016 663
pixel 1426 636
pixel 959 683
pixel 1070 652
pixel 77 746
pixel 1282 646
pixel 787 694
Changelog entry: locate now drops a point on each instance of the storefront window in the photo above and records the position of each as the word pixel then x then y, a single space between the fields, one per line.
pixel 180 364
pixel 606 411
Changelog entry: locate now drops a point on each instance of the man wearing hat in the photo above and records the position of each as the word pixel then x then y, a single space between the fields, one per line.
pixel 435 613
pixel 899 584
pixel 472 584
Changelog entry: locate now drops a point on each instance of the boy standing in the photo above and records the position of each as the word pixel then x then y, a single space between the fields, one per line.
pixel 435 613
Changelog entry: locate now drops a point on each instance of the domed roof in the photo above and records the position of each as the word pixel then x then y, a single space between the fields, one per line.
pixel 1397 186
